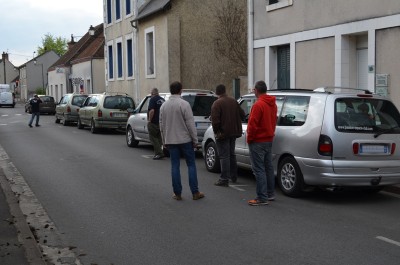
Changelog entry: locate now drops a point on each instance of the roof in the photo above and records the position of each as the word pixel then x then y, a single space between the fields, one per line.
pixel 86 48
pixel 152 7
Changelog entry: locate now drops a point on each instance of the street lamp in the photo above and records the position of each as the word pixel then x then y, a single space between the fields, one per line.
pixel 36 63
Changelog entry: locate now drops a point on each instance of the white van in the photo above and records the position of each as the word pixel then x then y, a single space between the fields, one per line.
pixel 7 99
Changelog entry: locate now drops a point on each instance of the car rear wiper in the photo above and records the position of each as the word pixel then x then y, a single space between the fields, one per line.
pixel 385 131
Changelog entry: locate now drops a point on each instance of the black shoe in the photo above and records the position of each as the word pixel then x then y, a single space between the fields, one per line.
pixel 157 157
pixel 30 125
pixel 37 125
pixel 222 183
pixel 233 180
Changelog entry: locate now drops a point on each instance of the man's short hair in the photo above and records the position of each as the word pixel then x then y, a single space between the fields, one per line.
pixel 175 88
pixel 154 91
pixel 220 90
pixel 261 86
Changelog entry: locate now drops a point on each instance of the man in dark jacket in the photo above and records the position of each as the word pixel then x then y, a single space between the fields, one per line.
pixel 35 102
pixel 226 119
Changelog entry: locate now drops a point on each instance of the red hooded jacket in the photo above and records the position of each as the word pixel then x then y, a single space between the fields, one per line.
pixel 262 120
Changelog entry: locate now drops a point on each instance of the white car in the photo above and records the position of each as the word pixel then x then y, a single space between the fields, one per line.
pixel 200 101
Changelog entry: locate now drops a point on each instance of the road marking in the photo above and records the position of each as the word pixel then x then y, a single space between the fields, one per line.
pixel 388 240
pixel 391 194
pixel 237 187
pixel 3 124
pixel 4 115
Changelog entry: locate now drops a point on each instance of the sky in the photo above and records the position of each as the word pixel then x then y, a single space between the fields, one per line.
pixel 24 23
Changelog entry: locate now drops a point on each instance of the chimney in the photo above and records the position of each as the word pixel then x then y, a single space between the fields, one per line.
pixel 4 56
pixel 71 43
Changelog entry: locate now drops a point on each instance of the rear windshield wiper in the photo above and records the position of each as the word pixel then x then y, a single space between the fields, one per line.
pixel 385 131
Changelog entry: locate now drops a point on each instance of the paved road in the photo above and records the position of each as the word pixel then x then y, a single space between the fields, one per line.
pixel 110 204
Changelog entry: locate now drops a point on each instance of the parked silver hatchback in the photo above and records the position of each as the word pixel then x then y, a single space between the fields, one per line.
pixel 329 137
pixel 200 101
pixel 68 107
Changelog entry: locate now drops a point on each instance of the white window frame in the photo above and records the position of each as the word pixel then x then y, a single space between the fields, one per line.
pixel 121 11
pixel 131 13
pixel 280 4
pixel 116 62
pixel 110 43
pixel 150 54
pixel 130 37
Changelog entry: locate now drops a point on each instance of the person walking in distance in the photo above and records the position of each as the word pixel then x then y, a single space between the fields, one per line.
pixel 153 117
pixel 35 102
pixel 260 134
pixel 179 136
pixel 226 120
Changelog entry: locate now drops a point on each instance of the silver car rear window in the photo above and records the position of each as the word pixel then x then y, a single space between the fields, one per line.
pixel 366 115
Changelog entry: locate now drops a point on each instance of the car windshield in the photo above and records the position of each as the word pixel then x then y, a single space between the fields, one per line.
pixel 201 104
pixel 118 102
pixel 366 115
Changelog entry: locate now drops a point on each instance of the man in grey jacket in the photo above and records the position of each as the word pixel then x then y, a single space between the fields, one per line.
pixel 179 136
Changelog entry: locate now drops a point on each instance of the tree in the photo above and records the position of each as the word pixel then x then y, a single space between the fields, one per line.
pixel 231 31
pixel 51 43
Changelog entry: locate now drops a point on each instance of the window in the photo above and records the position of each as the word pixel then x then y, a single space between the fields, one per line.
pixel 149 51
pixel 119 60
pixel 110 63
pixel 109 12
pixel 117 9
pixel 276 4
pixel 294 111
pixel 129 57
pixel 366 115
pixel 128 8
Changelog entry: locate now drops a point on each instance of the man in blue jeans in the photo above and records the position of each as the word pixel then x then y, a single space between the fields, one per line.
pixel 260 134
pixel 35 102
pixel 179 136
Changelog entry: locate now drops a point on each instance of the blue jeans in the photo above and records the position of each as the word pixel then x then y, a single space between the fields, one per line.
pixel 227 158
pixel 261 164
pixel 175 151
pixel 37 114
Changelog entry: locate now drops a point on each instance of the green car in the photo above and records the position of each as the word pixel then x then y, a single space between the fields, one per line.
pixel 105 111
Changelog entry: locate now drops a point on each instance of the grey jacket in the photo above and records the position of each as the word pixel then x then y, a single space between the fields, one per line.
pixel 177 122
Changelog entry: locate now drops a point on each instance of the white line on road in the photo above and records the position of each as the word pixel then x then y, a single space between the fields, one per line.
pixel 388 240
pixel 236 187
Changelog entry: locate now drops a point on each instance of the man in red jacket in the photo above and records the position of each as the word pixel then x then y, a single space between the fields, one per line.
pixel 260 134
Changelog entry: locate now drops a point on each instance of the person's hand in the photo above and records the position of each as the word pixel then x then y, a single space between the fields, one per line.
pixel 194 145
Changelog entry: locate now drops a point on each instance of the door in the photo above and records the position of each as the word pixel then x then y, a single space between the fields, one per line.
pixel 362 68
pixel 284 67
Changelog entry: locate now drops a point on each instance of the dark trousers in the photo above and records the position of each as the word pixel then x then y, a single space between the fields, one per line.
pixel 227 158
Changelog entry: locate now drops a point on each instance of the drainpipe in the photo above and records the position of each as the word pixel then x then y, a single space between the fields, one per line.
pixel 250 36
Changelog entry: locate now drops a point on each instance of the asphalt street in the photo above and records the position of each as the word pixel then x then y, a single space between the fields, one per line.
pixel 89 199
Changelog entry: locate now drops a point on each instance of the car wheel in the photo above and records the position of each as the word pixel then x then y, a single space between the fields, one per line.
pixel 290 178
pixel 130 138
pixel 93 128
pixel 211 158
pixel 79 124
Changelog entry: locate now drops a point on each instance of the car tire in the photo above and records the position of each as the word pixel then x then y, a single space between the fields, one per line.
pixel 211 158
pixel 130 138
pixel 290 178
pixel 93 128
pixel 79 124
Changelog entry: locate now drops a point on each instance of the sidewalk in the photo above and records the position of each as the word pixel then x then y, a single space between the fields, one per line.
pixel 11 251
pixel 14 230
